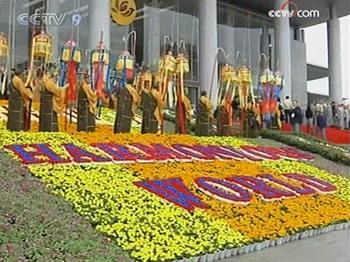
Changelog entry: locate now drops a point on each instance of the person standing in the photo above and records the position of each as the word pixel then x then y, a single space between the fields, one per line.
pixel 347 116
pixel 328 113
pixel 204 115
pixel 296 116
pixel 334 114
pixel 321 121
pixel 341 116
pixel 279 114
pixel 288 106
pixel 309 119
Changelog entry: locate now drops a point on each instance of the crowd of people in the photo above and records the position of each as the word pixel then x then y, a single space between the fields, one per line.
pixel 316 115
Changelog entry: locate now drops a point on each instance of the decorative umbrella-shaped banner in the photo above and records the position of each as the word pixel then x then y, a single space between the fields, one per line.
pixel 228 84
pixel 42 47
pixel 3 47
pixel 100 67
pixel 70 60
pixel 4 59
pixel 125 68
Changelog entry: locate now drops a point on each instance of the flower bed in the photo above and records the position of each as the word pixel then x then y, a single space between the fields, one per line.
pixel 189 196
pixel 331 152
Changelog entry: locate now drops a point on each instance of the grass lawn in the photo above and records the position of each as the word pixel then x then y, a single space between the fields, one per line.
pixel 38 226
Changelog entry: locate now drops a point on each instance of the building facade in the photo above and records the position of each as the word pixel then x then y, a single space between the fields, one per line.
pixel 242 28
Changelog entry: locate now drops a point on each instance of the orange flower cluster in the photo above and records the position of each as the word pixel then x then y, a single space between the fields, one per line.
pixel 104 134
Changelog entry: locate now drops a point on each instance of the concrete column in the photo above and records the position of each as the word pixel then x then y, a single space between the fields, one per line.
pixel 334 57
pixel 283 49
pixel 99 20
pixel 208 46
pixel 53 6
pixel 264 41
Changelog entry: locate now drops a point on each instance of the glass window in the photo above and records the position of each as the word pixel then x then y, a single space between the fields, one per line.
pixel 6 10
pixel 16 25
pixel 156 19
pixel 66 29
pixel 245 33
pixel 13 19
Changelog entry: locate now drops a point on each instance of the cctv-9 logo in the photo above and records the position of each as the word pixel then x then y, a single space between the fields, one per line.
pixel 76 19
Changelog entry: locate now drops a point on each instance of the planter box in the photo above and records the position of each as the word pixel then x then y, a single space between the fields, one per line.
pixel 210 258
pixel 252 247
pixel 203 258
pixel 266 243
pixel 216 256
pixel 258 246
pixel 228 253
pixel 240 250
pixel 279 241
pixel 246 249
pixel 339 227
pixel 234 252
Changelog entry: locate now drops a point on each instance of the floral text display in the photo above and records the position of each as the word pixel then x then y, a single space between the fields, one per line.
pixel 164 198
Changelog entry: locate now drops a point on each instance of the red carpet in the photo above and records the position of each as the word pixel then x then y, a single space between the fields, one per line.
pixel 334 135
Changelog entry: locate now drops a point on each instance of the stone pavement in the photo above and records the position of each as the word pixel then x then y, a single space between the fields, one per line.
pixel 330 247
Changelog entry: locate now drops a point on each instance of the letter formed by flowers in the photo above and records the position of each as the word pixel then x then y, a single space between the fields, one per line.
pixel 36 154
pixel 175 191
pixel 313 182
pixel 236 189
pixel 137 152
pixel 260 187
pixel 223 190
pixel 80 155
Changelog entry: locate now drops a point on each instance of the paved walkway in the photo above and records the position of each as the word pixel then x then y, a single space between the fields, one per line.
pixel 330 247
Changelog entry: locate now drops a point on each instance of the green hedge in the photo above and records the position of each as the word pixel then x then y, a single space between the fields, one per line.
pixel 321 141
pixel 333 153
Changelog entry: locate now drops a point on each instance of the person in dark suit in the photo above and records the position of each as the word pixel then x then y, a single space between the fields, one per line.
pixel 296 117
pixel 309 119
pixel 321 121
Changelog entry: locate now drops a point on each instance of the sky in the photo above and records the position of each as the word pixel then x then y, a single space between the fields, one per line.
pixel 316 44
